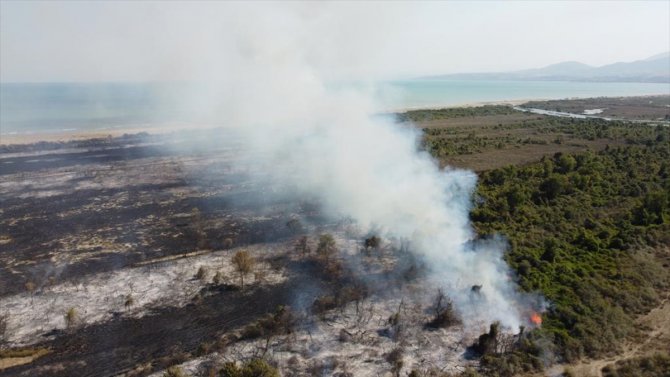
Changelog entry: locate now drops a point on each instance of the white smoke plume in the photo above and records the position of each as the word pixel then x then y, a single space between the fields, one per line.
pixel 271 85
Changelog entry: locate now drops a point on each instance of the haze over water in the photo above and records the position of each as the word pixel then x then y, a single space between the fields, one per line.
pixel 54 107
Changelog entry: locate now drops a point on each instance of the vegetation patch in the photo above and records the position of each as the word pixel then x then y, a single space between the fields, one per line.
pixel 583 230
pixel 454 112
pixel 648 366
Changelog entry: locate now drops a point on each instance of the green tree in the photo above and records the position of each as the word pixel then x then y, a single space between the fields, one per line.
pixel 553 186
pixel 566 163
pixel 515 197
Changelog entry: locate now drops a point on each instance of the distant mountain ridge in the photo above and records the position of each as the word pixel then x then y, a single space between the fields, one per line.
pixel 652 69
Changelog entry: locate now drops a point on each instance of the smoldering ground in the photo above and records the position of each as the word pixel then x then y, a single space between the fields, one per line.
pixel 326 142
pixel 153 199
pixel 300 139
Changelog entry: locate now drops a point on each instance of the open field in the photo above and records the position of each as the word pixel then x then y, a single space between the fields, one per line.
pixel 636 108
pixel 118 255
pixel 495 136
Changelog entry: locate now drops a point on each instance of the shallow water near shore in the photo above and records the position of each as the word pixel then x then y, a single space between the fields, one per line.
pixel 436 92
pixel 84 107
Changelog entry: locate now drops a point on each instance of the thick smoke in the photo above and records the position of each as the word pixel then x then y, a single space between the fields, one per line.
pixel 326 141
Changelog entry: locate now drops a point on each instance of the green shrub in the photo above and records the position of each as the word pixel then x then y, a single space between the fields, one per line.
pixel 647 366
pixel 577 244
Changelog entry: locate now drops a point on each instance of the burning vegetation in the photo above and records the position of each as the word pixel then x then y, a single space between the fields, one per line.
pixel 253 283
pixel 536 319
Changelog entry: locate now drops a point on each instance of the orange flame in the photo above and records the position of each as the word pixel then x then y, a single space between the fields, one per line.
pixel 536 319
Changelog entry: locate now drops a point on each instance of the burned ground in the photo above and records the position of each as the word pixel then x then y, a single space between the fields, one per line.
pixel 121 344
pixel 75 217
pixel 70 217
pixel 60 223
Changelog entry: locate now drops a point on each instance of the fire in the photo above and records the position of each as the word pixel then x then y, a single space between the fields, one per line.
pixel 536 319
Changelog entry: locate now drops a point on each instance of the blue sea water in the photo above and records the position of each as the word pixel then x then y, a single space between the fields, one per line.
pixel 430 93
pixel 53 107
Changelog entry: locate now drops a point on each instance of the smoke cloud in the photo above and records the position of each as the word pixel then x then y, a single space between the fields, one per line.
pixel 329 142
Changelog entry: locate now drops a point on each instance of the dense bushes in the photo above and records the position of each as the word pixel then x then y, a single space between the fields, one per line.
pixel 577 227
pixel 454 112
pixel 584 229
pixel 444 141
pixel 648 366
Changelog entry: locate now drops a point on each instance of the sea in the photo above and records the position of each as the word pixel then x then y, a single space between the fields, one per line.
pixel 27 108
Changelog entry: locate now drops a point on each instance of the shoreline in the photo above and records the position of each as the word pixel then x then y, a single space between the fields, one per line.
pixel 31 137
pixel 510 102
pixel 80 135
pixel 513 102
pixel 63 136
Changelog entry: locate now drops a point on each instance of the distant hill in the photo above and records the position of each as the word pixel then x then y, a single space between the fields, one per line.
pixel 653 69
pixel 659 56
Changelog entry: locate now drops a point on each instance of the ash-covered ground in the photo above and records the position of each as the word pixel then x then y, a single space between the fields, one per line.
pixel 117 259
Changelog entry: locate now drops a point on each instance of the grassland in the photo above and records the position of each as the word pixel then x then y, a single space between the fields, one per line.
pixel 490 137
pixel 655 108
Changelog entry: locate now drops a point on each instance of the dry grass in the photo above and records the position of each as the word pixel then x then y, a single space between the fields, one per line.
pixel 510 127
pixel 14 357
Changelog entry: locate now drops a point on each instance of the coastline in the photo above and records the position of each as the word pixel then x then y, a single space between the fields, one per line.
pixel 514 102
pixel 62 136
pixel 78 135
pixel 510 102
pixel 75 135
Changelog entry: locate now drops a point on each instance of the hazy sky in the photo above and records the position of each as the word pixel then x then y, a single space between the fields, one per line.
pixel 147 41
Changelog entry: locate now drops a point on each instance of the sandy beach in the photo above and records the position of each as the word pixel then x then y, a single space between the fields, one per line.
pixel 63 136
pixel 82 134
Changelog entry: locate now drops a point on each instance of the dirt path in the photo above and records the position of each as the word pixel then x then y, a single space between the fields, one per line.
pixel 658 323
